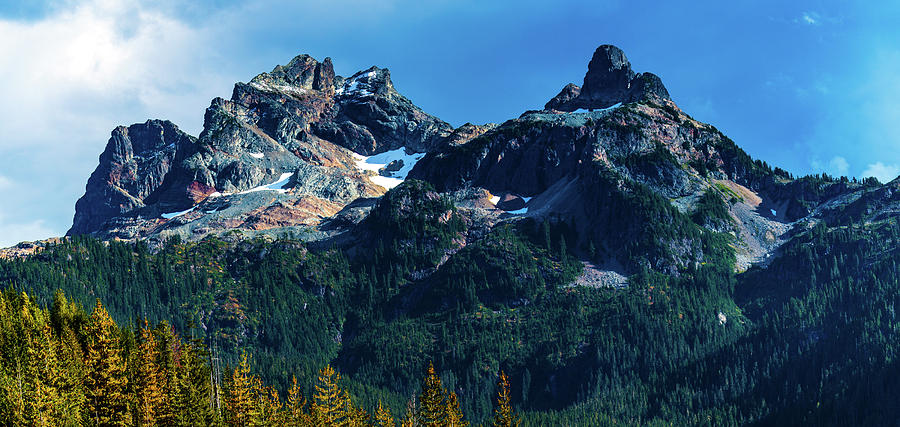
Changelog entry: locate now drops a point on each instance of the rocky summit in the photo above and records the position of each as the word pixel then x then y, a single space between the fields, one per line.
pixel 304 151
pixel 609 81
pixel 299 126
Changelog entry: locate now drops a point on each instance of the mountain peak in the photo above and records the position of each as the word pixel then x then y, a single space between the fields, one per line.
pixel 608 81
pixel 303 72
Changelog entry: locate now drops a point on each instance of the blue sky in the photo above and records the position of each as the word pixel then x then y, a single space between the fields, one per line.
pixel 809 86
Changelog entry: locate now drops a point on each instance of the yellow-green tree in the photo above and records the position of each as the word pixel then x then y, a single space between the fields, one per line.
pixel 239 394
pixel 148 393
pixel 383 417
pixel 503 413
pixel 454 417
pixel 106 380
pixel 432 400
pixel 194 396
pixel 267 407
pixel 296 406
pixel 330 403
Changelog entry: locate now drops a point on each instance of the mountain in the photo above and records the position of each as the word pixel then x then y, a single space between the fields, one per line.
pixel 621 261
pixel 298 132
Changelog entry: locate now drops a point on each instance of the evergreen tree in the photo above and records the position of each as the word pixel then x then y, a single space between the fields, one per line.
pixel 238 394
pixel 148 395
pixel 106 380
pixel 383 417
pixel 454 417
pixel 503 413
pixel 330 403
pixel 433 406
pixel 195 388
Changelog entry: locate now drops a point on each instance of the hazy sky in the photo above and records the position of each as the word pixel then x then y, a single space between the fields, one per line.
pixel 809 86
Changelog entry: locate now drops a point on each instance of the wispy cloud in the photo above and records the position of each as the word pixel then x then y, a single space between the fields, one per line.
pixel 12 232
pixel 810 18
pixel 837 166
pixel 75 73
pixel 882 172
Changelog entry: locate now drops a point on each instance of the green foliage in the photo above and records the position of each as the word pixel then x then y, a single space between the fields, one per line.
pixel 809 339
pixel 711 211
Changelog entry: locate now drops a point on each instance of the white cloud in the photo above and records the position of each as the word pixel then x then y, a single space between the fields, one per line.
pixel 102 62
pixel 68 78
pixel 810 18
pixel 14 232
pixel 882 172
pixel 837 166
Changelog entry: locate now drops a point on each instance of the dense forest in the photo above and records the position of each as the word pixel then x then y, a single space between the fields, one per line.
pixel 63 366
pixel 809 337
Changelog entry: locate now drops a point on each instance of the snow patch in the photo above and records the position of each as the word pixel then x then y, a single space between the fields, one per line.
pixel 171 215
pixel 275 186
pixel 526 199
pixel 495 199
pixel 597 110
pixel 357 85
pixel 257 155
pixel 378 161
pixel 518 211
pixel 773 212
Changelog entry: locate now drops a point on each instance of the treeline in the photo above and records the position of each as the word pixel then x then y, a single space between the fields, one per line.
pixel 63 366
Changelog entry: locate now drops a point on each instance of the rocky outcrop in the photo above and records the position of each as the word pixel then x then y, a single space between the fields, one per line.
pixel 609 80
pixel 565 97
pixel 287 154
pixel 370 116
pixel 134 164
pixel 299 119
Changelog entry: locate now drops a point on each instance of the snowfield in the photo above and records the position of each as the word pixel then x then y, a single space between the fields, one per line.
pixel 597 110
pixel 177 214
pixel 378 161
pixel 275 186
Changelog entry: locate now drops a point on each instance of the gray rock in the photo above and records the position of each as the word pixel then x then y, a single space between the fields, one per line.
pixel 565 96
pixel 133 166
pixel 608 81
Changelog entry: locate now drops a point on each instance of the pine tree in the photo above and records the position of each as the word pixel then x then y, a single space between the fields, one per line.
pixel 106 381
pixel 296 404
pixel 194 387
pixel 383 417
pixel 432 410
pixel 454 417
pixel 410 419
pixel 65 319
pixel 43 371
pixel 503 413
pixel 330 403
pixel 238 394
pixel 167 355
pixel 147 391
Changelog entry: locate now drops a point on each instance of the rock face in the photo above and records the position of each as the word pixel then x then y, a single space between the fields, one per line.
pixel 370 116
pixel 290 152
pixel 133 166
pixel 609 80
pixel 300 119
